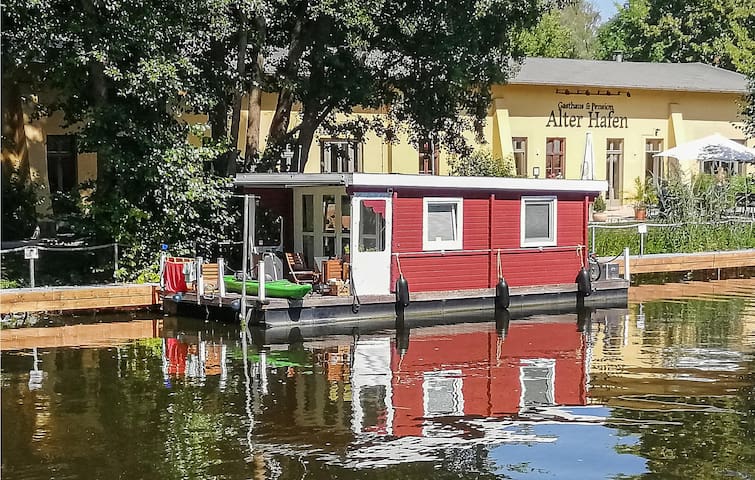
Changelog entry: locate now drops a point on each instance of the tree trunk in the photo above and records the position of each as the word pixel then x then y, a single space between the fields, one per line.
pixel 218 114
pixel 98 91
pixel 15 148
pixel 306 136
pixel 279 124
pixel 253 125
pixel 238 92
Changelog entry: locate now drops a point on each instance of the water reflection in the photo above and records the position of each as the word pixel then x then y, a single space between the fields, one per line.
pixel 663 389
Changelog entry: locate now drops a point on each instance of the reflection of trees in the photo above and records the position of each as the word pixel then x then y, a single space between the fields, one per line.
pixel 702 444
pixel 702 437
pixel 102 415
pixel 694 322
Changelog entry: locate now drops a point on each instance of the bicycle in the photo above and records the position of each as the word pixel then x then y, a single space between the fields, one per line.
pixel 593 266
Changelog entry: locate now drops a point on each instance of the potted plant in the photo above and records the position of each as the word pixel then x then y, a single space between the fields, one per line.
pixel 643 197
pixel 599 209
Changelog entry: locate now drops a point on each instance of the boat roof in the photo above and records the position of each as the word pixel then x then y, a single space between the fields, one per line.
pixel 397 180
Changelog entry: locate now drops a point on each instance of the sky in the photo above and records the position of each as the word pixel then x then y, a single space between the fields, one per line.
pixel 606 8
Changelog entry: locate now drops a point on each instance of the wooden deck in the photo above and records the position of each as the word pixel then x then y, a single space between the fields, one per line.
pixel 683 262
pixel 51 299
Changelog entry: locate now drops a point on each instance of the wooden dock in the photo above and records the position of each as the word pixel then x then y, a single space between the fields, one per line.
pixel 684 262
pixel 92 297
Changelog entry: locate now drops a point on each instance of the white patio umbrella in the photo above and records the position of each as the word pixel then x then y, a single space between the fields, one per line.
pixel 588 161
pixel 712 147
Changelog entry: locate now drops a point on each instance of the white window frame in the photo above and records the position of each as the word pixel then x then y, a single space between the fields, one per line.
pixel 540 242
pixel 458 242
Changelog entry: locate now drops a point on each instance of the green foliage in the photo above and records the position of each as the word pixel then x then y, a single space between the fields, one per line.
pixel 481 163
pixel 704 198
pixel 644 193
pixel 19 202
pixel 549 38
pixel 747 107
pixel 565 33
pixel 683 238
pixel 599 205
pixel 714 32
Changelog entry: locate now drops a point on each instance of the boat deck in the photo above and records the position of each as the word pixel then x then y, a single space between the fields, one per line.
pixel 318 309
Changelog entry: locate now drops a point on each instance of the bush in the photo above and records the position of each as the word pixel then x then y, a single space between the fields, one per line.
pixel 481 163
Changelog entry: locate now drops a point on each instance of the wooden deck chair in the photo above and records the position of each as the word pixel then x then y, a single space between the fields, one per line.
pixel 210 279
pixel 298 270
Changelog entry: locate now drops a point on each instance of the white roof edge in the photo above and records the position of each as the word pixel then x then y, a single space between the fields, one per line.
pixel 395 180
pixel 477 183
pixel 291 179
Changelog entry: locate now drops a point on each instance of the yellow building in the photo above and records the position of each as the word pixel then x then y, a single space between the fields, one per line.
pixel 540 119
pixel 632 111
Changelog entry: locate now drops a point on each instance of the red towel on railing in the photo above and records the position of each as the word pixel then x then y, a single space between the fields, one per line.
pixel 174 277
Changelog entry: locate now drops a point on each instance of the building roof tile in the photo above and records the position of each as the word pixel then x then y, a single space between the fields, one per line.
pixel 690 77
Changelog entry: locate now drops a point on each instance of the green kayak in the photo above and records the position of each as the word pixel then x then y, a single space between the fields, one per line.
pixel 275 288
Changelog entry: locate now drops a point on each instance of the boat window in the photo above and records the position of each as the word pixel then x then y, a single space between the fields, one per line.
pixel 372 226
pixel 442 224
pixel 538 221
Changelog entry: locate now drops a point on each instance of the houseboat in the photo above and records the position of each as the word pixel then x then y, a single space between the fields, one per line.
pixel 426 245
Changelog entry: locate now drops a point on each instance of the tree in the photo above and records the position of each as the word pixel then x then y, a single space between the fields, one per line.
pixel 430 65
pixel 562 33
pixel 125 74
pixel 715 32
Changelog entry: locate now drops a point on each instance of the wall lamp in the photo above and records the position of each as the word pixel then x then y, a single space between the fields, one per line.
pixel 608 93
pixel 536 172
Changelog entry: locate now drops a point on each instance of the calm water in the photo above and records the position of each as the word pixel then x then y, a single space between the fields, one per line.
pixel 664 389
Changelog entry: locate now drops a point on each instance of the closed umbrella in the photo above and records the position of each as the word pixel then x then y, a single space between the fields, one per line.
pixel 588 161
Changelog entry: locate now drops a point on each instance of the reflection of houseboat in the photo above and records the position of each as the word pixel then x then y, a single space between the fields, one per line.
pixel 449 237
pixel 467 373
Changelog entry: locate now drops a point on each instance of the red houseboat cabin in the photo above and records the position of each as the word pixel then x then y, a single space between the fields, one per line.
pixel 442 233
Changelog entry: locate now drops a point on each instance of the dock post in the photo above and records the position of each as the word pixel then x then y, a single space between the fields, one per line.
pixel 31 272
pixel 627 273
pixel 221 274
pixel 261 279
pixel 250 206
pixel 115 262
pixel 200 279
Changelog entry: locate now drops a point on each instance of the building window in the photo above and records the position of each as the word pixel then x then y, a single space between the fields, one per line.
pixel 538 221
pixel 340 156
pixel 614 166
pixel 520 155
pixel 653 165
pixel 442 223
pixel 61 162
pixel 555 157
pixel 429 157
